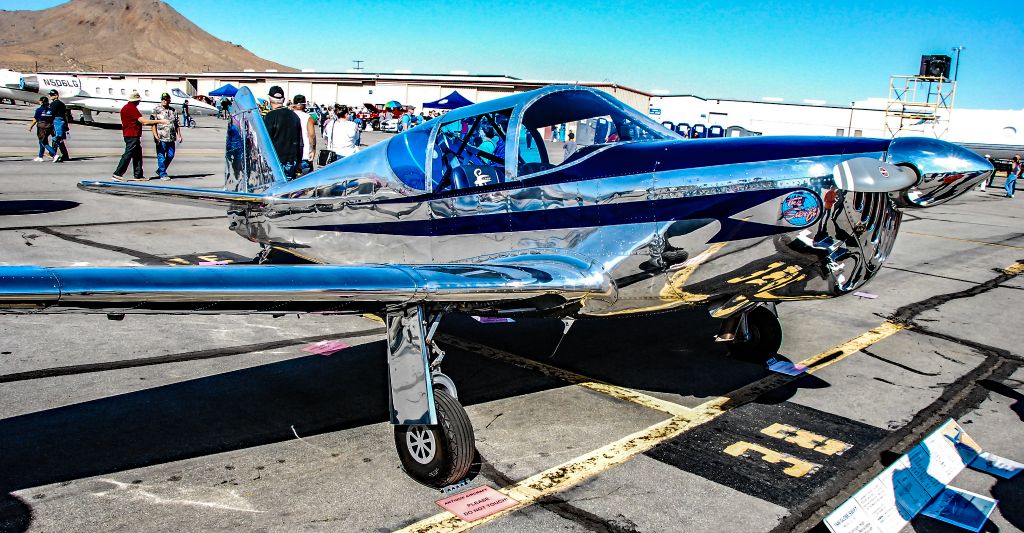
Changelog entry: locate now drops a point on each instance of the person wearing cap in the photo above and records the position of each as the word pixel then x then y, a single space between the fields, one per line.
pixel 131 127
pixel 164 135
pixel 308 134
pixel 285 130
pixel 61 120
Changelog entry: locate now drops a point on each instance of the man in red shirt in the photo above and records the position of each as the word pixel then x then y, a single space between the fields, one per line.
pixel 131 126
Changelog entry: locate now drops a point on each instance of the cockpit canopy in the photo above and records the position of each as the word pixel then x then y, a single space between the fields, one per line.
pixel 515 137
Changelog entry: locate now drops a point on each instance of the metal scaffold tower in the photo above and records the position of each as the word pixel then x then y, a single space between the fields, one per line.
pixel 919 105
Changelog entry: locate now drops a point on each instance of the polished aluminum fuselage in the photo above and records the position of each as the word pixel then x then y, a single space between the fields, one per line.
pixel 622 227
pixel 739 250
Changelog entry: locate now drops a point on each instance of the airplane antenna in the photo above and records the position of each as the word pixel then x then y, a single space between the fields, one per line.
pixel 567 323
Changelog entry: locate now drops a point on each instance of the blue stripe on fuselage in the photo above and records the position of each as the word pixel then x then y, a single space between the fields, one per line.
pixel 716 206
pixel 628 159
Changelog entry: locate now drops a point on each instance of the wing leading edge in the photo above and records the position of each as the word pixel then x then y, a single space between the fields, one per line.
pixel 273 289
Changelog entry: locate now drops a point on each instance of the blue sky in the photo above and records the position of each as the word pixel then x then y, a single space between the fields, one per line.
pixel 836 51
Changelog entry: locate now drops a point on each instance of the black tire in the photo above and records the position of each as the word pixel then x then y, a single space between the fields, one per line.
pixel 765 337
pixel 442 454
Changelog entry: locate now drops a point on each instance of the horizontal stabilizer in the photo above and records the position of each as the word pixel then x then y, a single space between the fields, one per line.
pixel 175 195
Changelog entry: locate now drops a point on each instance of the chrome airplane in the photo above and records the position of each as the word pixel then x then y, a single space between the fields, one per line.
pixel 431 222
pixel 90 95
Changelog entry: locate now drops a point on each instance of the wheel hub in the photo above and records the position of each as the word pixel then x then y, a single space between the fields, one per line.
pixel 421 444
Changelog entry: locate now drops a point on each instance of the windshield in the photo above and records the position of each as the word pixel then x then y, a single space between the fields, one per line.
pixel 577 122
pixel 179 93
pixel 470 152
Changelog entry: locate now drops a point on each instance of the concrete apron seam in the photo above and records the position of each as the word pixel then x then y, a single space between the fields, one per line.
pixel 181 357
pixel 567 475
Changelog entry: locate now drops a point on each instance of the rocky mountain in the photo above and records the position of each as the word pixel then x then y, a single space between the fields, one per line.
pixel 117 36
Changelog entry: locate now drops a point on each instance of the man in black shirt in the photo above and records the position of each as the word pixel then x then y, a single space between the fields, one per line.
pixel 285 131
pixel 61 121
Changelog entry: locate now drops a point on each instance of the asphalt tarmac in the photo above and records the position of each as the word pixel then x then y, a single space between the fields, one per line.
pixel 200 423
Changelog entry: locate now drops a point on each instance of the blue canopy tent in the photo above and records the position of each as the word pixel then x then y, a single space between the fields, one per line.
pixel 452 101
pixel 227 90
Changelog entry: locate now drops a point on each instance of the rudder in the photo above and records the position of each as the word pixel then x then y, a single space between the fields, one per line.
pixel 250 162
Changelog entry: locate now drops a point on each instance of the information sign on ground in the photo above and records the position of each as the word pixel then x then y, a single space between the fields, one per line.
pixel 477 503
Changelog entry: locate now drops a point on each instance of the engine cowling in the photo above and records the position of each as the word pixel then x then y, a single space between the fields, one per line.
pixel 945 170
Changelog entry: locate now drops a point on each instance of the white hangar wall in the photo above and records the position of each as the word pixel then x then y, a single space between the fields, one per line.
pixel 865 118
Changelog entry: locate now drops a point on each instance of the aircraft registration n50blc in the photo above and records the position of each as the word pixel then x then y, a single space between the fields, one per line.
pixel 89 94
pixel 434 221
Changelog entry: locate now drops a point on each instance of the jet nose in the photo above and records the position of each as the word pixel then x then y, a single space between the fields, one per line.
pixel 945 170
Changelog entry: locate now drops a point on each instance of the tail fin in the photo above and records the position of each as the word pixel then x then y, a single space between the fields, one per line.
pixel 250 162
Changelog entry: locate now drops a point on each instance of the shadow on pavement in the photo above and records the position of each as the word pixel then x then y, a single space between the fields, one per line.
pixel 670 353
pixel 34 207
pixel 15 516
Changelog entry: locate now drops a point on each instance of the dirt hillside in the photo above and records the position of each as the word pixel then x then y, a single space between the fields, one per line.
pixel 117 36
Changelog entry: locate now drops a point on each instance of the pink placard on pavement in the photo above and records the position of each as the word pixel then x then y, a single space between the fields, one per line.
pixel 325 347
pixel 477 503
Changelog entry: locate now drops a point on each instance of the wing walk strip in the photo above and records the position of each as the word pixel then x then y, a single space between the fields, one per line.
pixel 683 419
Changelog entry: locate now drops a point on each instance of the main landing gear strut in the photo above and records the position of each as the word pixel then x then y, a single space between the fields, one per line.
pixel 433 433
pixel 753 334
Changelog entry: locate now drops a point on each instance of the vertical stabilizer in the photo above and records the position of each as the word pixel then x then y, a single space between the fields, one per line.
pixel 250 162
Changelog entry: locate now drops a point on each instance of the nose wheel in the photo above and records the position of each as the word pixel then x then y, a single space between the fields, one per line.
pixel 441 454
pixel 762 337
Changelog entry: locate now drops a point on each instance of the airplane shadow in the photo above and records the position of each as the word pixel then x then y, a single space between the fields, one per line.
pixel 34 207
pixel 317 394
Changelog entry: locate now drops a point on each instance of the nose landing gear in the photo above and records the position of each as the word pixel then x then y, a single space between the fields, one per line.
pixel 753 335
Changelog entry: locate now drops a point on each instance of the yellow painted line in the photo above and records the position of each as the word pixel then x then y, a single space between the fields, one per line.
pixel 569 474
pixel 1014 269
pixel 963 240
pixel 615 391
pixel 813 363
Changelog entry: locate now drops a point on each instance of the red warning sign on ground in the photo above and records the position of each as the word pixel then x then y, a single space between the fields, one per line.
pixel 477 503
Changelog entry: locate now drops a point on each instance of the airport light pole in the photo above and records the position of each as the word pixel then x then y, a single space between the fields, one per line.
pixel 956 64
pixel 849 127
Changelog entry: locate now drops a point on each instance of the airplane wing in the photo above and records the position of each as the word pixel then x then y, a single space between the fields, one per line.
pixel 534 282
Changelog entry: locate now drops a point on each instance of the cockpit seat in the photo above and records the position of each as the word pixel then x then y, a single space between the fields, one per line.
pixel 468 176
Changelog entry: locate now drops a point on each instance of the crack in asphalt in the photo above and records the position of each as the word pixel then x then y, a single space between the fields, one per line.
pixel 179 357
pixel 957 399
pixel 927 274
pixel 906 314
pixel 871 354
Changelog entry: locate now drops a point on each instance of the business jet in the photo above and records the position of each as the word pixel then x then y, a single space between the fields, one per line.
pixel 91 95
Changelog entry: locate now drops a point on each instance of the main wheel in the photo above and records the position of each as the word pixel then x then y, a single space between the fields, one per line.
pixel 765 337
pixel 438 455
